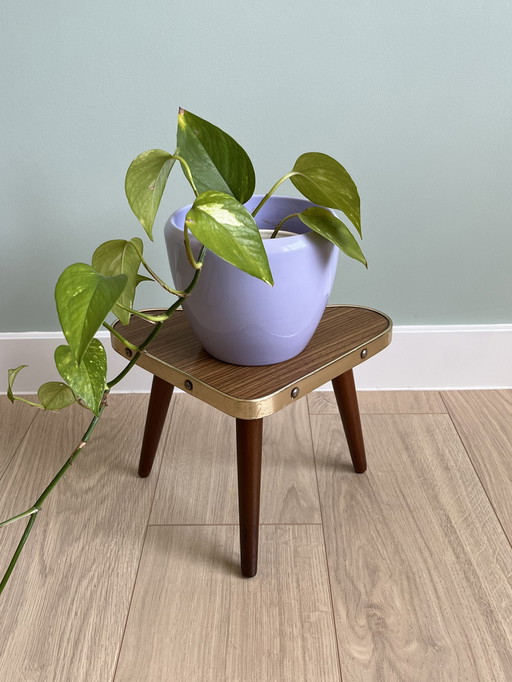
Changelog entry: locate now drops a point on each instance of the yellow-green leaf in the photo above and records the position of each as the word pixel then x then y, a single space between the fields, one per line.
pixel 54 395
pixel 330 226
pixel 145 183
pixel 12 374
pixel 324 181
pixel 217 162
pixel 120 257
pixel 84 297
pixel 226 227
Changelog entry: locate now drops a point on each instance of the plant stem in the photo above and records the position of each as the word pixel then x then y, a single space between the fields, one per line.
pixel 73 456
pixel 121 338
pixel 29 402
pixel 143 316
pixel 280 224
pixel 17 553
pixel 18 517
pixel 186 170
pixel 36 507
pixel 272 190
pixel 157 279
pixel 195 264
pixel 38 503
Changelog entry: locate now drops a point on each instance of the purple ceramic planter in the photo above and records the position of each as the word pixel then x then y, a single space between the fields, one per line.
pixel 244 321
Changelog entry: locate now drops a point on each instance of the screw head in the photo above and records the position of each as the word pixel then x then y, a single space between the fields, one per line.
pixel 364 353
pixel 295 392
pixel 128 352
pixel 189 385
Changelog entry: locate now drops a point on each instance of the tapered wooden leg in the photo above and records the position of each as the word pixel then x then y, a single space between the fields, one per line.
pixel 248 446
pixel 345 392
pixel 161 392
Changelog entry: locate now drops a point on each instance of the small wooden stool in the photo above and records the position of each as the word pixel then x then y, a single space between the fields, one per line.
pixel 346 337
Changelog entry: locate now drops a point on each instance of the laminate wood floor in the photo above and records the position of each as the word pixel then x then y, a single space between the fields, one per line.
pixel 400 574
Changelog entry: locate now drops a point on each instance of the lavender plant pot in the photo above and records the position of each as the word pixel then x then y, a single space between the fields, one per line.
pixel 244 321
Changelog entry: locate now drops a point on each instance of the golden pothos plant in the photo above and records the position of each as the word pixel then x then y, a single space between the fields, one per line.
pixel 222 179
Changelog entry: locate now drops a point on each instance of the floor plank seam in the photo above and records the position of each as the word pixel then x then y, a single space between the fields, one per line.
pixel 150 511
pixel 220 525
pixel 373 414
pixel 129 605
pixel 509 540
pixel 162 447
pixel 325 550
pixel 11 460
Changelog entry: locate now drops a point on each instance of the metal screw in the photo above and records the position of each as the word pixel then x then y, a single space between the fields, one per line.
pixel 189 385
pixel 128 352
pixel 295 392
pixel 364 353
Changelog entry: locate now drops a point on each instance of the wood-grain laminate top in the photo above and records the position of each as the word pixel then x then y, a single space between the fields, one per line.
pixel 245 392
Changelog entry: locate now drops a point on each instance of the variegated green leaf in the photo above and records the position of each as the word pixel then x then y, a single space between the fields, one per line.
pixel 226 227
pixel 87 379
pixel 84 297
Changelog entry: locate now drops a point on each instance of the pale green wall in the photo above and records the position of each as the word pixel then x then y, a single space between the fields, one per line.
pixel 413 97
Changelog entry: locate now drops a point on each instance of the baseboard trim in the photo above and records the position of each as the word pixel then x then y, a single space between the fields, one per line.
pixel 440 357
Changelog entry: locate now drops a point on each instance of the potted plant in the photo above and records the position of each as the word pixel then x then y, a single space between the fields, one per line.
pixel 233 311
pixel 218 233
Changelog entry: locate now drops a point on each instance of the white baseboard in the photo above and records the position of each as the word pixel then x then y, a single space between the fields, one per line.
pixel 36 349
pixel 419 357
pixel 442 357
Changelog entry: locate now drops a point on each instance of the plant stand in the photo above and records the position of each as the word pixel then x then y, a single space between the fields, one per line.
pixel 346 337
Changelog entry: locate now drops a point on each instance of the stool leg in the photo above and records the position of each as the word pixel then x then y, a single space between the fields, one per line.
pixel 161 392
pixel 345 392
pixel 248 446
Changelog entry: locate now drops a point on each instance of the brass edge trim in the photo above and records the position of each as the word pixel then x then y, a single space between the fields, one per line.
pixel 256 408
